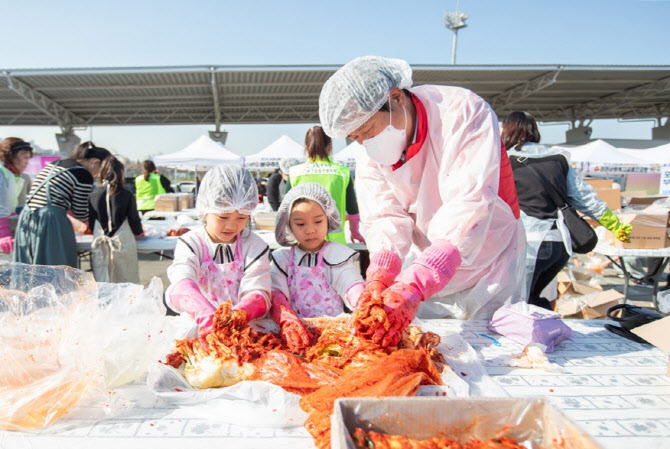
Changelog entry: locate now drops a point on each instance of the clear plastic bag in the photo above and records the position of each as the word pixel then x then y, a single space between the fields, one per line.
pixel 49 358
pixel 663 299
pixel 596 263
pixel 133 329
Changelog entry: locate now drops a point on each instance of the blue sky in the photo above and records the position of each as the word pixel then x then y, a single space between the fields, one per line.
pixel 42 34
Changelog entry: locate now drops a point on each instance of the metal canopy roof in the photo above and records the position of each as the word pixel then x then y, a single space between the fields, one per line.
pixel 289 94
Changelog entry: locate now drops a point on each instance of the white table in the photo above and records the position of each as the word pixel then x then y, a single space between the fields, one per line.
pixel 612 252
pixel 615 389
pixel 153 214
pixel 150 244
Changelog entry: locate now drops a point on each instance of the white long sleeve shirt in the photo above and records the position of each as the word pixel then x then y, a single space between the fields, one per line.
pixel 339 264
pixel 255 253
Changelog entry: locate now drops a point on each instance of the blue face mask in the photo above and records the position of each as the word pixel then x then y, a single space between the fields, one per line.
pixel 387 146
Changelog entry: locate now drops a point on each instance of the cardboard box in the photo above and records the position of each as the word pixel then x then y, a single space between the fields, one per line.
pixel 643 200
pixel 577 281
pixel 167 202
pixel 598 183
pixel 649 231
pixel 185 200
pixel 611 196
pixel 657 334
pixel 588 307
pixel 265 220
pixel 533 421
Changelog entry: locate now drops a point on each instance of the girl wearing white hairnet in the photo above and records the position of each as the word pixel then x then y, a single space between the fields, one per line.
pixel 434 189
pixel 313 277
pixel 222 260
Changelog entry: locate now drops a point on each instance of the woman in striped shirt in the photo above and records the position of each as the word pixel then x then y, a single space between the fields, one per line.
pixel 44 234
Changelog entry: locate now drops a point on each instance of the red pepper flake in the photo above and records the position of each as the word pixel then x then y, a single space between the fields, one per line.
pixel 178 389
pixel 152 424
pixel 551 390
pixel 463 374
pixel 274 409
pixel 124 329
pixel 444 393
pixel 437 393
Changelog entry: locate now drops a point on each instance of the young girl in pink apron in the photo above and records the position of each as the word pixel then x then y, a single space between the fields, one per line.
pixel 222 260
pixel 312 277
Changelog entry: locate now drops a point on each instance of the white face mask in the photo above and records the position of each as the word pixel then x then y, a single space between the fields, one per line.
pixel 387 146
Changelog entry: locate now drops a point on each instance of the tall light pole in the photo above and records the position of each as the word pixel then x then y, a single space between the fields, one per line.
pixel 454 20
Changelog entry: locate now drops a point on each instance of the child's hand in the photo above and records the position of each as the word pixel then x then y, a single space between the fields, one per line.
pixel 295 334
pixel 293 331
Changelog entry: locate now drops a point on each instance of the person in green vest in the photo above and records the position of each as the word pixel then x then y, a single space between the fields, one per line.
pixel 148 185
pixel 335 178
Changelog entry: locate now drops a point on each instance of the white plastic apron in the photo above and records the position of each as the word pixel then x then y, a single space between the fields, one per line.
pixel 114 258
pixel 471 294
pixel 311 294
pixel 220 282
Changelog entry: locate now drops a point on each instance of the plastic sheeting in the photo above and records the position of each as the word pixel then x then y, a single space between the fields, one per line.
pixel 63 338
pixel 47 343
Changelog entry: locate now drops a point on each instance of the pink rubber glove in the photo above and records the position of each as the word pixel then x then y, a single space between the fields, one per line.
pixel 7 244
pixel 401 302
pixel 354 293
pixel 427 275
pixel 186 296
pixel 383 269
pixel 354 221
pixel 293 331
pixel 433 269
pixel 254 304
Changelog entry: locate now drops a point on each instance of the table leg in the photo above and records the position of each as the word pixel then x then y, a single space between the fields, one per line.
pixel 626 275
pixel 657 279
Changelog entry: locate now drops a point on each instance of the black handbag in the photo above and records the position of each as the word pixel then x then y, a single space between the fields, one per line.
pixel 583 236
pixel 629 317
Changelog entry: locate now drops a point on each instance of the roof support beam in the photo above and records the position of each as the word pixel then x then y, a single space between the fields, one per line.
pixel 215 98
pixel 618 100
pixel 63 117
pixel 504 100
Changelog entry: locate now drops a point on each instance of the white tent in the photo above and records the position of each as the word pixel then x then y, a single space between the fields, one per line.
pixel 284 147
pixel 349 152
pixel 203 152
pixel 600 152
pixel 656 155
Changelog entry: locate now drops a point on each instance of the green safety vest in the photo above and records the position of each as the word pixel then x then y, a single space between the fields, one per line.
pixel 335 178
pixel 146 191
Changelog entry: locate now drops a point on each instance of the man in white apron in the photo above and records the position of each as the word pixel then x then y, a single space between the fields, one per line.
pixel 434 189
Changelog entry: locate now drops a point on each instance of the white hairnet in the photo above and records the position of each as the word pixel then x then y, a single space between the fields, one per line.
pixel 311 191
pixel 227 188
pixel 358 90
pixel 286 164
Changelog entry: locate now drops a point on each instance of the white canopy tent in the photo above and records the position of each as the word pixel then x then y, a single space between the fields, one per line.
pixel 656 155
pixel 347 156
pixel 203 152
pixel 269 157
pixel 599 153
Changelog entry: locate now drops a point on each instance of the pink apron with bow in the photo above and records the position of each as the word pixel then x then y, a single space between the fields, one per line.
pixel 220 282
pixel 311 294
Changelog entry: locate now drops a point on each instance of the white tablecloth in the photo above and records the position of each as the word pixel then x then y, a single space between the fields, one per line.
pixel 150 244
pixel 615 389
pixel 608 250
pixel 190 213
